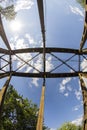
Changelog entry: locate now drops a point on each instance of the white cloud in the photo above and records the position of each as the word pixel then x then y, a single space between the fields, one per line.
pixel 66 89
pixel 23 4
pixel 78 94
pixel 49 64
pixel 78 121
pixel 76 10
pixel 66 94
pixel 18 43
pixel 35 82
pixel 30 39
pixel 39 65
pixel 69 88
pixel 76 108
pixel 84 65
pixel 63 87
pixel 66 80
pixel 53 129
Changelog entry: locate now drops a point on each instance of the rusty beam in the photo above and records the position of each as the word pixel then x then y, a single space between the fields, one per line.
pixel 47 50
pixel 84 35
pixel 47 74
pixel 84 94
pixel 3 75
pixel 40 50
pixel 3 35
pixel 41 15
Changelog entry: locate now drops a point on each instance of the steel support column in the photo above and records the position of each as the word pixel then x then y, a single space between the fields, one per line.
pixel 3 35
pixel 84 35
pixel 3 92
pixel 84 94
pixel 41 111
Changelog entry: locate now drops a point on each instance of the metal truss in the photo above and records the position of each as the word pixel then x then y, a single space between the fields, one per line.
pixel 55 53
pixel 62 58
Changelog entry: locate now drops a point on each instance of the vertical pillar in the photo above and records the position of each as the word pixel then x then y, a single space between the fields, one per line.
pixel 3 92
pixel 41 111
pixel 84 94
pixel 10 62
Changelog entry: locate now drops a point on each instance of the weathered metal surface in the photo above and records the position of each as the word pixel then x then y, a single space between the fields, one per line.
pixel 84 35
pixel 3 35
pixel 84 94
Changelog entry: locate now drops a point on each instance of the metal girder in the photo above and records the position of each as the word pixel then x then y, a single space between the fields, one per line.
pixel 84 35
pixel 63 62
pixel 46 74
pixel 41 15
pixel 3 35
pixel 28 63
pixel 4 51
pixel 40 50
pixel 84 94
pixel 47 50
pixel 3 75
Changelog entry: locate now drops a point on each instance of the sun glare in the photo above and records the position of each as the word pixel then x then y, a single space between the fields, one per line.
pixel 15 25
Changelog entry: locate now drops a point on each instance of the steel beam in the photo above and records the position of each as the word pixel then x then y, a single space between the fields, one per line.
pixel 47 74
pixel 41 15
pixel 47 50
pixel 40 50
pixel 3 75
pixel 84 35
pixel 3 35
pixel 4 51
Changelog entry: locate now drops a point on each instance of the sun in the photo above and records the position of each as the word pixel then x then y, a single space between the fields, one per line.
pixel 15 25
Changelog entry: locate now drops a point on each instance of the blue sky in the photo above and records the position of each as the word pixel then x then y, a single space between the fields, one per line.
pixel 64 26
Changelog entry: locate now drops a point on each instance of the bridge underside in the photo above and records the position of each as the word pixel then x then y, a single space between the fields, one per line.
pixel 65 62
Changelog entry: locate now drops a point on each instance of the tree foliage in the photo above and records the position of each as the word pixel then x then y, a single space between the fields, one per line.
pixel 81 2
pixel 7 11
pixel 18 113
pixel 69 126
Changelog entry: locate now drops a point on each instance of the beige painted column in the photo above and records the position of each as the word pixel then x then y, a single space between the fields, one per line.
pixel 41 111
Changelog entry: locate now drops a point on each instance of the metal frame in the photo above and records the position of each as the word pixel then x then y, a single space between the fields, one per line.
pixel 54 73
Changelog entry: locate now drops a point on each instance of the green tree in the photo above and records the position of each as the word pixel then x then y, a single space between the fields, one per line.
pixel 69 126
pixel 8 12
pixel 81 2
pixel 18 113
